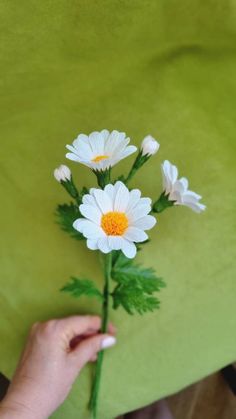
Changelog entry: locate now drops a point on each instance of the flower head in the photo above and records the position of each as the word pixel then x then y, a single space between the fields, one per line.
pixel 115 219
pixel 177 189
pixel 149 146
pixel 100 150
pixel 62 173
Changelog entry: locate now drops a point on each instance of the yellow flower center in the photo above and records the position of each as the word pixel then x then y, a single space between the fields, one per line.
pixel 99 158
pixel 114 223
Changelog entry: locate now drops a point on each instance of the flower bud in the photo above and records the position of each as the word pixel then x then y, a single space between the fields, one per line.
pixel 62 173
pixel 149 146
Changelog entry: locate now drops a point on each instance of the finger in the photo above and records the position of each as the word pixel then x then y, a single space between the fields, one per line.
pixel 89 347
pixel 77 325
pixel 94 358
pixel 112 329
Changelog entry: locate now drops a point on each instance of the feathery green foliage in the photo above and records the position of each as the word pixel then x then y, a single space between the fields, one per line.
pixel 78 287
pixel 66 214
pixel 135 286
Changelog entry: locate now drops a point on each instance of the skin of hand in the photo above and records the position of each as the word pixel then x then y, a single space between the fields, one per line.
pixel 54 355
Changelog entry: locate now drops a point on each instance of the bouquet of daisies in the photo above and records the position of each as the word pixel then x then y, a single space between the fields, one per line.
pixel 113 220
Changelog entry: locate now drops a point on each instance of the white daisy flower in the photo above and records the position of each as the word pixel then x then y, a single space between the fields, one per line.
pixel 177 189
pixel 62 173
pixel 149 146
pixel 115 219
pixel 100 150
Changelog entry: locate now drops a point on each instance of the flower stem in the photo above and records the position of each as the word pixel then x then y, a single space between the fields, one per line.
pixel 105 311
pixel 139 162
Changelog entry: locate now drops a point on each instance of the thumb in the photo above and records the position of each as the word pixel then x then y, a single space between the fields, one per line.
pixel 88 348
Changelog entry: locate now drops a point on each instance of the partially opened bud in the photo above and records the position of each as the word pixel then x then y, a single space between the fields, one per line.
pixel 149 146
pixel 62 173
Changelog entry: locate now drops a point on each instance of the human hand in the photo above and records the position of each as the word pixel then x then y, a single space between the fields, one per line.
pixel 54 355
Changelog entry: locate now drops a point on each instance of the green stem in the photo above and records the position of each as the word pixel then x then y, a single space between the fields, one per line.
pixel 138 163
pixel 105 311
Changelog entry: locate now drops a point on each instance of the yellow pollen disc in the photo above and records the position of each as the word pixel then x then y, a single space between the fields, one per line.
pixel 99 158
pixel 114 223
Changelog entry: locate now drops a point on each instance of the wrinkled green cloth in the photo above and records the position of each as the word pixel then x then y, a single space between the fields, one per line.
pixel 165 68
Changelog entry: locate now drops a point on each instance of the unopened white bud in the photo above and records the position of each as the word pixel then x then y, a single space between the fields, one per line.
pixel 62 173
pixel 149 146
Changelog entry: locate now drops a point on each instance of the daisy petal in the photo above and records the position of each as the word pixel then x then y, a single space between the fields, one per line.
pixel 134 234
pixel 91 212
pixel 138 212
pixel 109 189
pixel 73 157
pixel 134 197
pixel 79 224
pixel 129 249
pixel 115 242
pixel 92 230
pixel 92 244
pixel 103 245
pixel 121 198
pixel 127 152
pixel 103 200
pixel 145 223
pixel 89 199
pixel 82 146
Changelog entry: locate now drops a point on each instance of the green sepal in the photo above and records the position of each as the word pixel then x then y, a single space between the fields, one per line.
pixel 103 177
pixel 79 287
pixel 66 214
pixel 162 203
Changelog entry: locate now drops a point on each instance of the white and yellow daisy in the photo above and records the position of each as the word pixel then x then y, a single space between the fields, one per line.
pixel 100 150
pixel 115 219
pixel 177 189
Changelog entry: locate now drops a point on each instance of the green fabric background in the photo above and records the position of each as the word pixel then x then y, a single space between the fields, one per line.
pixel 161 67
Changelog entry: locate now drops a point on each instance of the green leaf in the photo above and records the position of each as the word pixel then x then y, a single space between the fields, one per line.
pixel 78 287
pixel 66 214
pixel 132 298
pixel 135 286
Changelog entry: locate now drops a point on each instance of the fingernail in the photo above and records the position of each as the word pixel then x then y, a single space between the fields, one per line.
pixel 107 342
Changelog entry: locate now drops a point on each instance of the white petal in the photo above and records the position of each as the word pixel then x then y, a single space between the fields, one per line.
pixel 184 182
pixel 83 147
pixel 127 152
pixel 92 230
pixel 73 157
pixel 121 145
pixel 138 212
pixel 196 207
pixel 173 171
pixel 105 133
pixel 89 199
pixel 112 142
pixel 135 234
pixel 103 245
pixel 92 244
pixel 145 201
pixel 192 196
pixel 91 212
pixel 79 224
pixel 166 183
pixel 96 141
pixel 129 249
pixel 179 187
pixel 115 242
pixel 72 149
pixel 103 200
pixel 109 189
pixel 145 223
pixel 121 198
pixel 134 197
